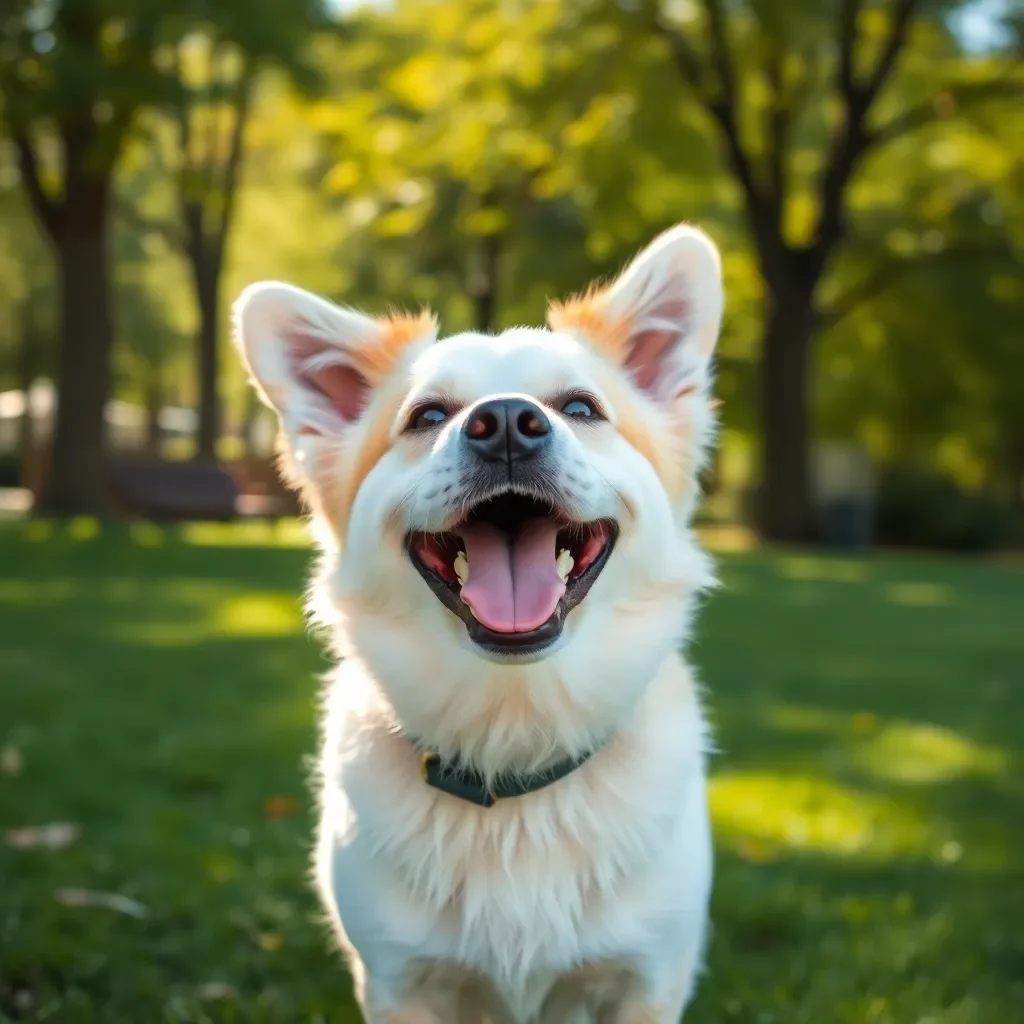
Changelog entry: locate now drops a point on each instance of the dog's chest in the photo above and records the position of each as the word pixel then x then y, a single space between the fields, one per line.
pixel 518 892
pixel 520 895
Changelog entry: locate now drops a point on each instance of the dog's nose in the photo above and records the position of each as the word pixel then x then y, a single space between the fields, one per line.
pixel 507 430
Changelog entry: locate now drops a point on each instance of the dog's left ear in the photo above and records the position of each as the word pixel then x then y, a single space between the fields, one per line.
pixel 660 318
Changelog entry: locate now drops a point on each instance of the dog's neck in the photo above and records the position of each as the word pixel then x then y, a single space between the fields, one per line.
pixel 510 722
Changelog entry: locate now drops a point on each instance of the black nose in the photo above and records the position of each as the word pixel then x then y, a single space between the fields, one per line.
pixel 507 430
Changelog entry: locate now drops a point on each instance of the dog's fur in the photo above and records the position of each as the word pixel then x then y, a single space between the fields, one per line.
pixel 587 900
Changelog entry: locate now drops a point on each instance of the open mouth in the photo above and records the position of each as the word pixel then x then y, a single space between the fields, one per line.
pixel 513 569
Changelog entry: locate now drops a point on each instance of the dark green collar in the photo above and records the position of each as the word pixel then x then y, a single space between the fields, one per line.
pixel 467 783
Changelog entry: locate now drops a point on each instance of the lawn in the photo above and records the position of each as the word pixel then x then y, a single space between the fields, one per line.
pixel 157 692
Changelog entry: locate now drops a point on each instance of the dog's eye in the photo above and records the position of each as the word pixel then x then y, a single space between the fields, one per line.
pixel 579 409
pixel 427 416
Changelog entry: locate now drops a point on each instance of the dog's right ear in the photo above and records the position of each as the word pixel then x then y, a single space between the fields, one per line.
pixel 315 363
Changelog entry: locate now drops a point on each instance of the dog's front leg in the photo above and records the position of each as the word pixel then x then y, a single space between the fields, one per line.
pixel 657 996
pixel 381 1004
pixel 413 996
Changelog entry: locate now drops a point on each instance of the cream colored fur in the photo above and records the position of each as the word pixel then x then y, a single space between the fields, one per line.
pixel 585 901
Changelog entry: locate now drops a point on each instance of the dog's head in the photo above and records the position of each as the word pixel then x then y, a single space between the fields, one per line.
pixel 511 502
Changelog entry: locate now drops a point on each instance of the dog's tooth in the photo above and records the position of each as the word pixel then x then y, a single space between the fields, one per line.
pixel 461 567
pixel 564 563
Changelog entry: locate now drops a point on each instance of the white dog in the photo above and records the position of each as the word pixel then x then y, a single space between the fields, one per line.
pixel 513 813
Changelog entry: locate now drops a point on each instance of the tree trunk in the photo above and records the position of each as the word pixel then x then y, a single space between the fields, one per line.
pixel 154 403
pixel 26 366
pixel 77 480
pixel 1016 467
pixel 26 436
pixel 784 508
pixel 207 362
pixel 483 282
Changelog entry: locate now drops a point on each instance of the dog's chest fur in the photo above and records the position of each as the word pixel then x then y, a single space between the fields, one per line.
pixel 577 873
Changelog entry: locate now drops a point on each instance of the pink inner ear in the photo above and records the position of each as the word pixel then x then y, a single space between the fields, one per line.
pixel 649 350
pixel 342 385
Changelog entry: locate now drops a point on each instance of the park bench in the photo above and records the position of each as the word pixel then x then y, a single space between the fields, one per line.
pixel 168 491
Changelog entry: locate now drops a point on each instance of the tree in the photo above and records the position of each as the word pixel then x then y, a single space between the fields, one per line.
pixel 26 301
pixel 74 76
pixel 759 120
pixel 489 145
pixel 154 318
pixel 209 119
pixel 77 72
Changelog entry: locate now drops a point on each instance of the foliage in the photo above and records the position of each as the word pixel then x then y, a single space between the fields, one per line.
pixel 484 158
pixel 161 695
pixel 26 287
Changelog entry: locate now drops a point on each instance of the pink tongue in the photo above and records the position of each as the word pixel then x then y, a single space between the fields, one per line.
pixel 513 583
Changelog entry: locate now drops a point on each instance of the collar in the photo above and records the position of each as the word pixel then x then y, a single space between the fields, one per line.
pixel 466 783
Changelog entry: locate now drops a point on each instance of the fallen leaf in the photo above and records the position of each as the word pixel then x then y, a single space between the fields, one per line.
pixel 280 807
pixel 752 850
pixel 106 900
pixel 54 836
pixel 11 761
pixel 216 990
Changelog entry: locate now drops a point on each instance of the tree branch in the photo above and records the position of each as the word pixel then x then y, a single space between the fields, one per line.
pixel 233 164
pixel 902 14
pixel 851 139
pixel 49 211
pixel 181 112
pixel 948 103
pixel 847 46
pixel 685 57
pixel 215 88
pixel 722 109
pixel 721 55
pixel 778 114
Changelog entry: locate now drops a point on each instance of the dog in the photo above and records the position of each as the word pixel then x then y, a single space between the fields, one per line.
pixel 513 818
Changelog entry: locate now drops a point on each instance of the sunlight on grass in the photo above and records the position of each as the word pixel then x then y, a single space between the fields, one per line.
pixel 923 753
pixel 759 812
pixel 84 528
pixel 258 615
pixel 921 594
pixel 193 612
pixel 726 538
pixel 793 718
pixel 147 535
pixel 35 531
pixel 32 594
pixel 286 533
pixel 825 570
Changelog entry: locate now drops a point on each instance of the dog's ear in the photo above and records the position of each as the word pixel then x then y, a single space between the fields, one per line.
pixel 316 363
pixel 660 318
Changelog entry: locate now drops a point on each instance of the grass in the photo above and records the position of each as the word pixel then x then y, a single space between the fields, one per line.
pixel 157 690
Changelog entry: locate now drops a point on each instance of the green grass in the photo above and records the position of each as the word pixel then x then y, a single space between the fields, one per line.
pixel 868 796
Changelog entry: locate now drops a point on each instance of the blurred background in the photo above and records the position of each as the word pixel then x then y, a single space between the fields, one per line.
pixel 860 163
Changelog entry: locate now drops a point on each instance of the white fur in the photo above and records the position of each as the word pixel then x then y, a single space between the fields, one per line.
pixel 589 895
